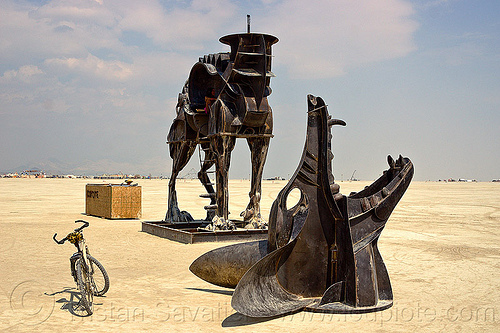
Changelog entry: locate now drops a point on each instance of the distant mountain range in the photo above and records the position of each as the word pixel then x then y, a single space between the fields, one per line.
pixel 155 166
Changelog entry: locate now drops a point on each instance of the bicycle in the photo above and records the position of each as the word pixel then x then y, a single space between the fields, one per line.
pixel 90 281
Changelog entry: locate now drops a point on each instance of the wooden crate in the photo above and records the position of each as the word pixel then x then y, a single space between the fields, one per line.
pixel 113 201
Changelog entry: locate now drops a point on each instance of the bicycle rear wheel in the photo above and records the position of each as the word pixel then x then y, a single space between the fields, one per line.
pixel 84 283
pixel 101 278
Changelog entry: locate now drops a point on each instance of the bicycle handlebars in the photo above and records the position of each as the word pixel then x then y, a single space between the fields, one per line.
pixel 59 242
pixel 85 225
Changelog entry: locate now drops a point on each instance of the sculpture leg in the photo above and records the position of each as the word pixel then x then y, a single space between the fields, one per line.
pixel 223 146
pixel 180 152
pixel 258 149
pixel 208 162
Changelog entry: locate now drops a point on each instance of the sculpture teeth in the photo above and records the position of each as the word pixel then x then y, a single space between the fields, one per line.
pixel 334 188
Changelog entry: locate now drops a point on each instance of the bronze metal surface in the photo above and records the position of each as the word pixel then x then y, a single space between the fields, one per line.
pixel 224 98
pixel 322 253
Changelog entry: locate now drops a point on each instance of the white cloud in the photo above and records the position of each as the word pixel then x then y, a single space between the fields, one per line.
pixel 53 105
pixel 76 47
pixel 319 38
pixel 324 38
pixel 82 12
pixel 66 64
pixel 24 73
pixel 53 30
pixel 112 70
pixel 163 68
pixel 178 27
pixel 83 37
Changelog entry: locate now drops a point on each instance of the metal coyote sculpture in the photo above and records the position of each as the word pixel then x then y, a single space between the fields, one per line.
pixel 224 98
pixel 321 254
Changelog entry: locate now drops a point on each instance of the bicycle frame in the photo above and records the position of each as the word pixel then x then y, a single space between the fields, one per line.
pixel 82 247
pixel 82 251
pixel 77 239
pixel 83 265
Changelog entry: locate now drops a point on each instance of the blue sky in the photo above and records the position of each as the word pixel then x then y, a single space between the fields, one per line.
pixel 89 86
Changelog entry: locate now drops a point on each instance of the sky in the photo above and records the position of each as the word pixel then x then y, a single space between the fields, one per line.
pixel 90 86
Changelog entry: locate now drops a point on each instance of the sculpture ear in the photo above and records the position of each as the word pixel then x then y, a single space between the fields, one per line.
pixel 340 122
pixel 391 162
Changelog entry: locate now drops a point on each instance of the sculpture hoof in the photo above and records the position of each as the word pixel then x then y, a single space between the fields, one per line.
pixel 218 223
pixel 177 216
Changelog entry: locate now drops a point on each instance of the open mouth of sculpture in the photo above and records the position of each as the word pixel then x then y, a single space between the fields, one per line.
pixel 321 254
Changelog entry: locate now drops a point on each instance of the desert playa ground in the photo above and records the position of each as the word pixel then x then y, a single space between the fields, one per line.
pixel 441 247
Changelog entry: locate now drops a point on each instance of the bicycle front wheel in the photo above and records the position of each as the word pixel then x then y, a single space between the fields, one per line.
pixel 101 278
pixel 84 282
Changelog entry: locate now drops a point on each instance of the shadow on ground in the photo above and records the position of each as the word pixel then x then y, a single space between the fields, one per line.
pixel 71 301
pixel 215 291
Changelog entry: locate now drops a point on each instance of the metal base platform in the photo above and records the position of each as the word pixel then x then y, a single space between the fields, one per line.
pixel 193 232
